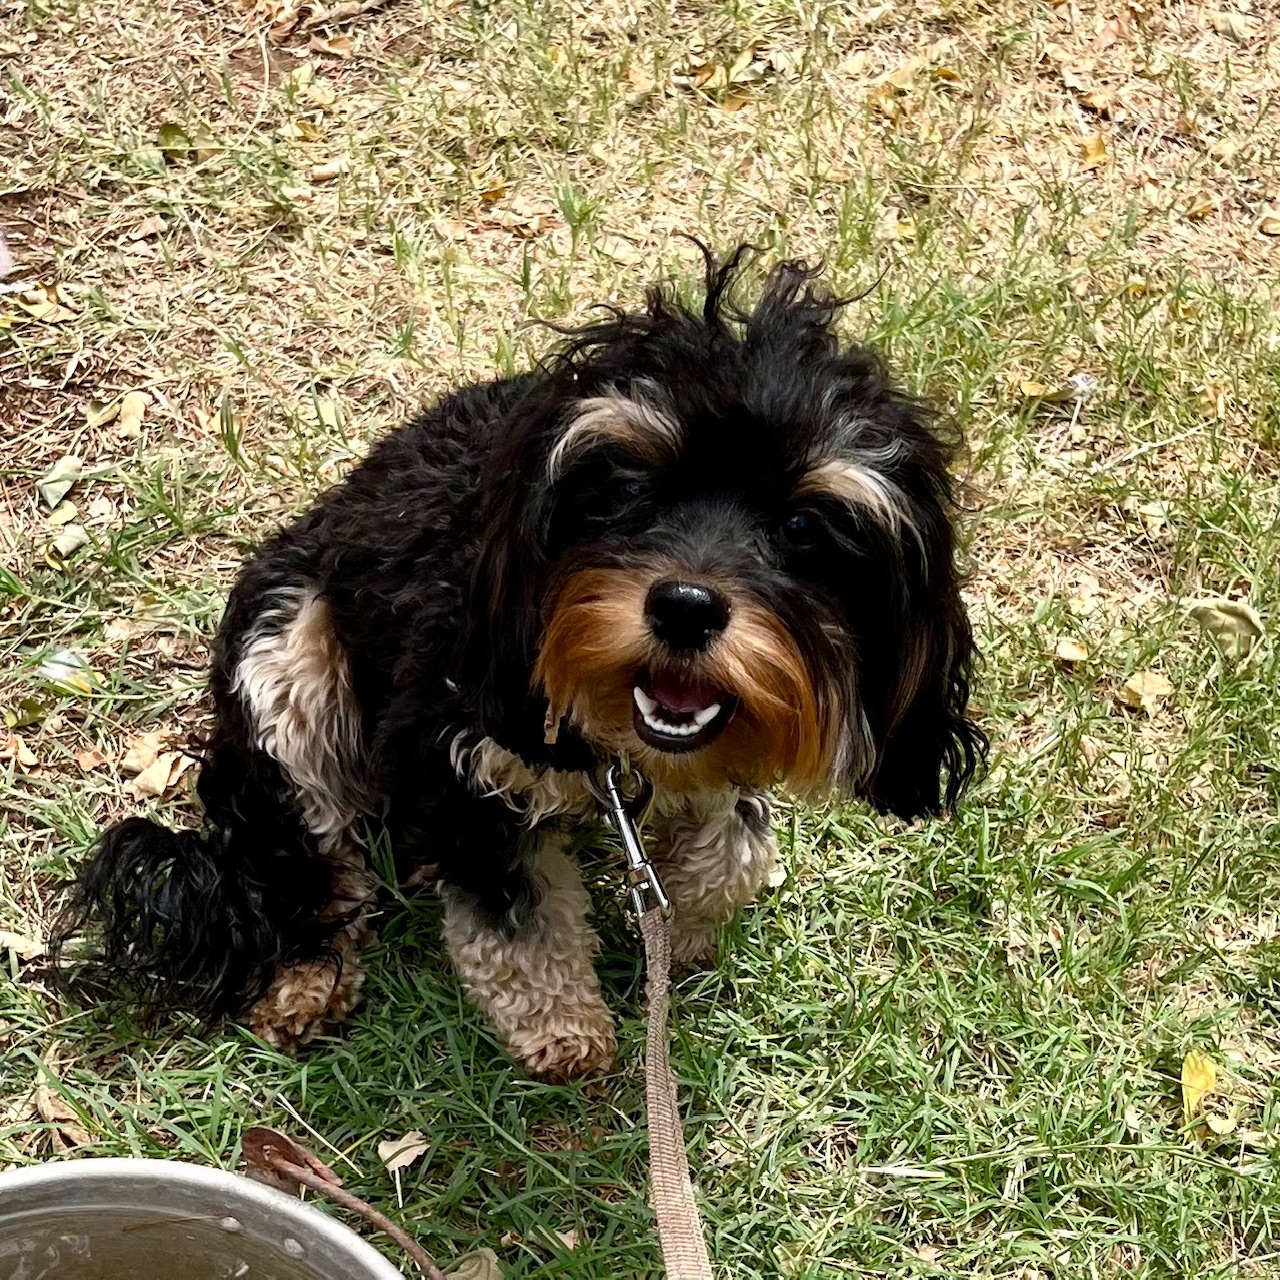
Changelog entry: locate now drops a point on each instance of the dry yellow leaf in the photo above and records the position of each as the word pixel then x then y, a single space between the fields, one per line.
pixel 150 226
pixel 1199 1076
pixel 23 947
pixel 140 753
pixel 89 759
pixel 1069 650
pixel 400 1153
pixel 133 408
pixel 1145 691
pixel 12 747
pixel 64 513
pixel 46 302
pixel 1234 625
pixel 65 1124
pixel 338 47
pixel 1095 152
pixel 1201 206
pixel 1269 224
pixel 481 1265
pixel 1221 1125
pixel 155 779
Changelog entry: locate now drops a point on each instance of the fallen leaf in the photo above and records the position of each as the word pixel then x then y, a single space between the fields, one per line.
pixel 66 544
pixel 400 1153
pixel 133 408
pixel 90 758
pixel 338 47
pixel 12 747
pixel 1033 390
pixel 174 142
pixel 100 412
pixel 154 779
pixel 1107 35
pixel 56 483
pixel 1069 650
pixel 928 1252
pixel 1095 152
pixel 1201 206
pixel 148 227
pixel 1199 1076
pixel 140 753
pixel 47 303
pixel 1232 624
pixel 735 100
pixel 23 947
pixel 1099 100
pixel 1269 224
pixel 777 876
pixel 1221 1125
pixel 6 258
pixel 568 1238
pixel 64 513
pixel 1235 26
pixel 1145 691
pixel 328 171
pixel 639 79
pixel 55 1110
pixel 161 774
pixel 481 1265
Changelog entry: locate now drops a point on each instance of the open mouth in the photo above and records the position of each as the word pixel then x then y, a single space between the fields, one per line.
pixel 674 714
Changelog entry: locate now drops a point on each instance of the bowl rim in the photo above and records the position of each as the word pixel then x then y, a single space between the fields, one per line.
pixel 324 1231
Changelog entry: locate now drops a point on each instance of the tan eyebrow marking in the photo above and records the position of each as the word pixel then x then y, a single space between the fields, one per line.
pixel 614 416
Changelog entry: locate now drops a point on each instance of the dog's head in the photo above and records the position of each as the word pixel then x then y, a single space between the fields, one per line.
pixel 719 545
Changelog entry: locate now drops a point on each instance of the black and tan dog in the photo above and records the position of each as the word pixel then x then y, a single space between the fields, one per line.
pixel 715 544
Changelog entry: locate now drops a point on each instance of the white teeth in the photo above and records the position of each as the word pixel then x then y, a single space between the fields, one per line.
pixel 649 713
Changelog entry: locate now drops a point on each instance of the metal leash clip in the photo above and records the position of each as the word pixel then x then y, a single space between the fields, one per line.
pixel 621 814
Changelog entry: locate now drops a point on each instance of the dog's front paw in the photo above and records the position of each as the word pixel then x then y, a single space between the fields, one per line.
pixel 303 1000
pixel 693 947
pixel 566 1045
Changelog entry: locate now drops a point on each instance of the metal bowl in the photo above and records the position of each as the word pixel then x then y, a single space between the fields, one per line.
pixel 164 1220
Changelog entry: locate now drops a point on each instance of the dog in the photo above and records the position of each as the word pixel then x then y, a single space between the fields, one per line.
pixel 710 542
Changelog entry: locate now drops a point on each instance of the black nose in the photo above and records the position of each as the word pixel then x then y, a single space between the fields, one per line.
pixel 686 615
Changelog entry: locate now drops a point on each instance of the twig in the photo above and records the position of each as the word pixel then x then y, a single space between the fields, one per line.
pixel 283 1163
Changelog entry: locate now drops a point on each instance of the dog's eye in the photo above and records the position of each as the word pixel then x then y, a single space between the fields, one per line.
pixel 630 490
pixel 799 525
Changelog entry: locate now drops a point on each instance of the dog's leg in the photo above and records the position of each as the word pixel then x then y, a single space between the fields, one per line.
pixel 295 681
pixel 713 856
pixel 307 996
pixel 533 972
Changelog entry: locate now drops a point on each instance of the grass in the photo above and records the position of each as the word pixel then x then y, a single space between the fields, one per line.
pixel 953 1050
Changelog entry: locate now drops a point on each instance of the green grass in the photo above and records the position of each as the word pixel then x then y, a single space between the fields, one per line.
pixel 953 1050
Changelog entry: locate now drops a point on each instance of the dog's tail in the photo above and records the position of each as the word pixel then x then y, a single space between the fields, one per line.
pixel 201 919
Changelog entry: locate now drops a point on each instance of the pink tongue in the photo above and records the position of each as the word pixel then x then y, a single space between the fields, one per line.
pixel 677 695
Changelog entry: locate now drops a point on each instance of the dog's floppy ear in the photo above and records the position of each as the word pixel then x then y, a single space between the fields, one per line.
pixel 510 578
pixel 918 653
pixel 930 747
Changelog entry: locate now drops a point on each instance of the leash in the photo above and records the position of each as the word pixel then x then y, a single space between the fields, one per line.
pixel 680 1233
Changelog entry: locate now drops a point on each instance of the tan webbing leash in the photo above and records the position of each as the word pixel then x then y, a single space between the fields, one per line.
pixel 684 1245
pixel 680 1234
